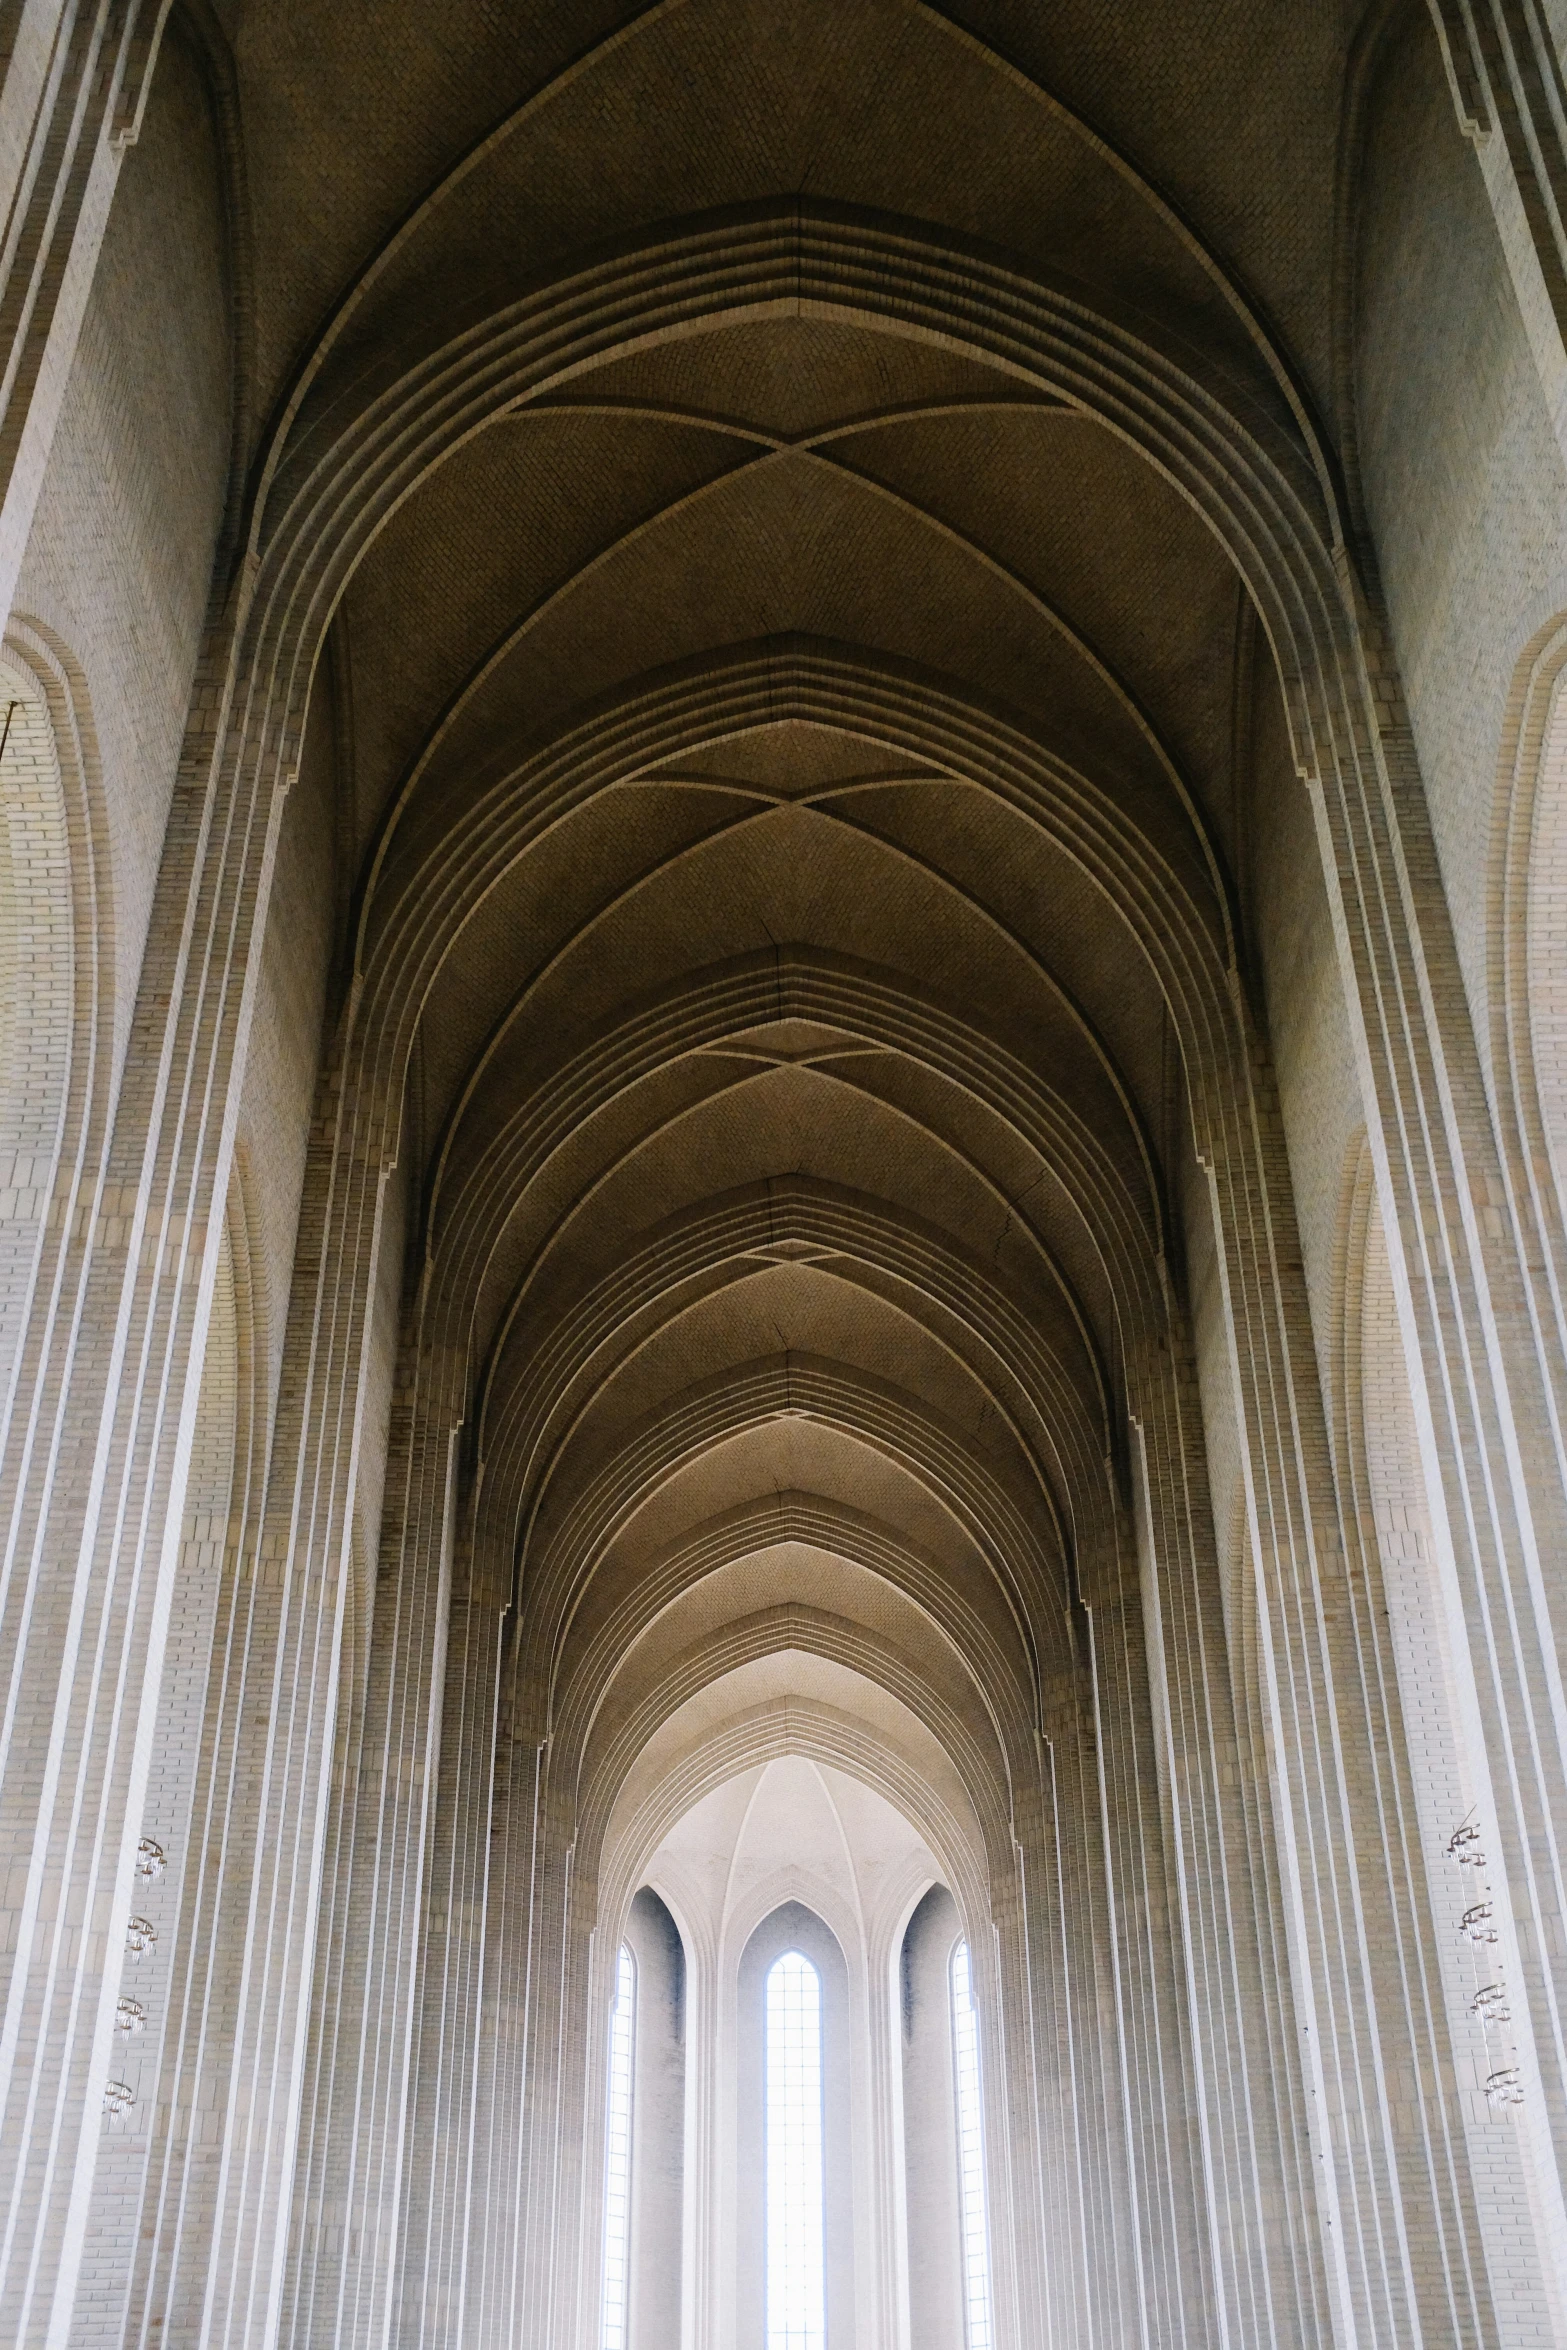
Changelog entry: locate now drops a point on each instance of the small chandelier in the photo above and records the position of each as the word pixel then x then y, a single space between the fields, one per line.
pixel 150 1860
pixel 141 1935
pixel 1504 2088
pixel 1464 1846
pixel 1479 1923
pixel 130 2017
pixel 1491 2005
pixel 118 2097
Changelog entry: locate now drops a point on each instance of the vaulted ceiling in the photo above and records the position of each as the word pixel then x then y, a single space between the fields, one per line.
pixel 737 677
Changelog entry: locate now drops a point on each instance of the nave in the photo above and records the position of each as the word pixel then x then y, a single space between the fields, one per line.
pixel 783 1129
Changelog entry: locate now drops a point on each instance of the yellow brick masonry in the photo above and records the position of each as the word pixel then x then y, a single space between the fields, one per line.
pixel 259 1603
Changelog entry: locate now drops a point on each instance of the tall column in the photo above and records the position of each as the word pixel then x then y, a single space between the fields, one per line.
pixel 1432 1965
pixel 1055 1997
pixel 169 2272
pixel 305 1571
pixel 1256 2193
pixel 1487 1397
pixel 433 2246
pixel 93 1496
pixel 348 2196
pixel 930 2147
pixel 285 1748
pixel 1157 2082
pixel 1387 2252
pixel 658 2108
pixel 1010 2087
pixel 1094 2256
pixel 74 79
pixel 512 2111
pixel 1505 73
pixel 136 2131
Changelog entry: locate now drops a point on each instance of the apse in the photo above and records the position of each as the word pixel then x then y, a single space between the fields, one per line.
pixel 802 2026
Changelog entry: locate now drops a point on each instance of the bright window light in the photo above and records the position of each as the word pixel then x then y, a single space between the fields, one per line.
pixel 971 2153
pixel 796 2256
pixel 617 2176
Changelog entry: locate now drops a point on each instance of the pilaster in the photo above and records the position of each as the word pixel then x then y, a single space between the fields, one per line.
pixel 1505 74
pixel 73 89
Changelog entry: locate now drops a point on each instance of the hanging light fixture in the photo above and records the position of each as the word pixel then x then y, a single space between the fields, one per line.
pixel 130 2017
pixel 118 2097
pixel 141 1935
pixel 1505 2088
pixel 1479 1923
pixel 1491 2005
pixel 150 1859
pixel 1464 1846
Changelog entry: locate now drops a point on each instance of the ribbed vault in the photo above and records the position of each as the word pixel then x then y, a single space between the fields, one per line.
pixel 754 1028
pixel 771 527
pixel 783 630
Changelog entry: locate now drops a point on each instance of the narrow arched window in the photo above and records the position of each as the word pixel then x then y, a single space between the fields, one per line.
pixel 796 2250
pixel 971 2154
pixel 617 2172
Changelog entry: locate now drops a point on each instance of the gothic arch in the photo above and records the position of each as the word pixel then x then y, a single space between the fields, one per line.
pixel 1528 882
pixel 789 1216
pixel 999 1676
pixel 782 838
pixel 57 988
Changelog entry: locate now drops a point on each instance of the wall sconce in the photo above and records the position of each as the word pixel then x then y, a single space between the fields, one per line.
pixel 1504 2088
pixel 130 2017
pixel 1479 1923
pixel 118 2097
pixel 150 1861
pixel 141 1935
